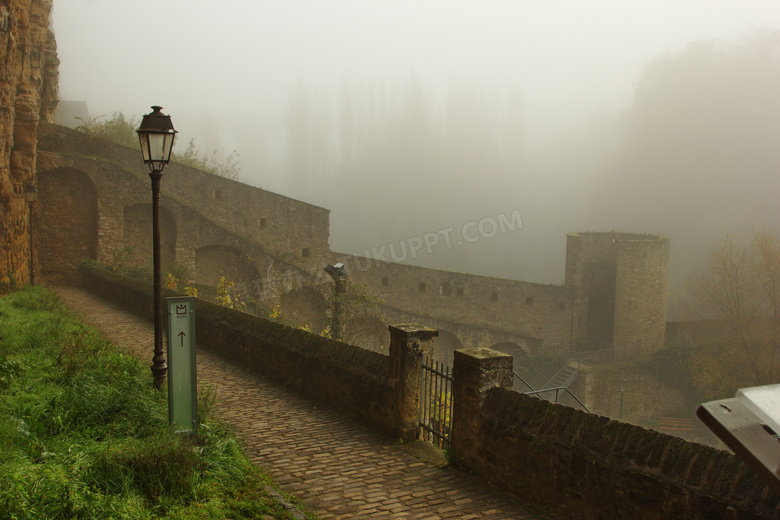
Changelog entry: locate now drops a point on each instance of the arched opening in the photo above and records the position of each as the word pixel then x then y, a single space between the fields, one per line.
pixel 305 306
pixel 138 236
pixel 66 223
pixel 215 262
pixel 444 346
pixel 368 332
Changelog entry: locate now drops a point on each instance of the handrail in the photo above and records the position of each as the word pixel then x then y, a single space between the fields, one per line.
pixel 552 368
pixel 518 376
pixel 556 390
pixel 599 354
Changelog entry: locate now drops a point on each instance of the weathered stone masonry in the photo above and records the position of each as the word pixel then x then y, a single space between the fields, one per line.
pixel 618 283
pixel 579 465
pixel 614 292
pixel 193 232
pixel 28 95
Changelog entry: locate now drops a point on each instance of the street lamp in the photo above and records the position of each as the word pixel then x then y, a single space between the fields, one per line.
pixel 156 135
pixel 623 382
pixel 339 276
pixel 31 194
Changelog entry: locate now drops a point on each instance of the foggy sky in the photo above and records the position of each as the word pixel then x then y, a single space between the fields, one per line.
pixel 224 72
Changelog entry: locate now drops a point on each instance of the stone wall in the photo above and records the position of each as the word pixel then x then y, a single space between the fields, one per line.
pixel 581 465
pixel 578 465
pixel 348 378
pixel 119 204
pixel 28 95
pixel 538 311
pixel 67 230
pixel 270 245
pixel 291 232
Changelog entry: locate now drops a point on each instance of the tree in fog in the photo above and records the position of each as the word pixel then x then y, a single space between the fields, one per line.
pixel 701 152
pixel 734 308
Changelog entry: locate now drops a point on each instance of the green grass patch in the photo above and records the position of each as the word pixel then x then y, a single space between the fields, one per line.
pixel 83 433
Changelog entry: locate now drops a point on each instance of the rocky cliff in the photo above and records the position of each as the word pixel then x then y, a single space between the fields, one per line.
pixel 28 95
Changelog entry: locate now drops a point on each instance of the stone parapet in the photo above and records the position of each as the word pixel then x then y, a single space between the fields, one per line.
pixel 409 344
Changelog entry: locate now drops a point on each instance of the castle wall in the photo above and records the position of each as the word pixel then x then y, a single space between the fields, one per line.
pixel 66 231
pixel 270 244
pixel 28 94
pixel 523 308
pixel 285 228
pixel 578 464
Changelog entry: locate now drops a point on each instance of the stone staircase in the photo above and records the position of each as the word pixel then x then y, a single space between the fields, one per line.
pixel 565 376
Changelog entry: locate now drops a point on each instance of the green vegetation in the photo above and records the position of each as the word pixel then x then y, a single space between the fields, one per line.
pixel 674 364
pixel 83 434
pixel 121 130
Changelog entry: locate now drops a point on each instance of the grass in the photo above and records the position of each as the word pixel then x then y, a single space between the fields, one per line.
pixel 83 433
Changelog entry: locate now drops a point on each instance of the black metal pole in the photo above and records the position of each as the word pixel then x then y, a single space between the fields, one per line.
pixel 32 263
pixel 159 367
pixel 337 312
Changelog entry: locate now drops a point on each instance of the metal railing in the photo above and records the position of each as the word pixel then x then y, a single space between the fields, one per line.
pixel 518 376
pixel 551 369
pixel 435 422
pixel 557 390
pixel 595 357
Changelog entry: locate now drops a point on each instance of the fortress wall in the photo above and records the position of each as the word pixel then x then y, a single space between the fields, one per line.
pixel 284 227
pixel 261 239
pixel 587 466
pixel 96 209
pixel 518 307
pixel 578 464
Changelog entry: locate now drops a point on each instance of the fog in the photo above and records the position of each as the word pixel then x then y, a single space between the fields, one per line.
pixel 413 118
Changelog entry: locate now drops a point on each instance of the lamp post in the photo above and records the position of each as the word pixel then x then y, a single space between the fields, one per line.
pixel 339 276
pixel 31 194
pixel 623 384
pixel 156 136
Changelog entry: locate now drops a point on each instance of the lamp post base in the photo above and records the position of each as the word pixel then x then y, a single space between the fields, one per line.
pixel 158 374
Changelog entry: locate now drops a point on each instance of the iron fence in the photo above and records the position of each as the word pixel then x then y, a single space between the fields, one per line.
pixel 435 403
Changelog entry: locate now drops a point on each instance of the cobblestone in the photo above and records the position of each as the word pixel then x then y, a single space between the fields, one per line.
pixel 337 468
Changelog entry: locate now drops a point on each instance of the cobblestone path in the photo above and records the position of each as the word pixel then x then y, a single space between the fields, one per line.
pixel 336 467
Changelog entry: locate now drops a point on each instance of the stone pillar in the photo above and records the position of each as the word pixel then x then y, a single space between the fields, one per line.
pixel 408 345
pixel 477 370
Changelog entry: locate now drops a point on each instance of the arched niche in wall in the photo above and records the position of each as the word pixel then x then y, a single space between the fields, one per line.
pixel 305 306
pixel 444 346
pixel 215 262
pixel 66 223
pixel 138 234
pixel 369 332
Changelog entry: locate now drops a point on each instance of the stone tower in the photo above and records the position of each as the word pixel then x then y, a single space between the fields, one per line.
pixel 618 285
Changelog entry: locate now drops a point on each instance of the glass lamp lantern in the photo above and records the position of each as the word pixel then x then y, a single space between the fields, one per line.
pixel 30 193
pixel 156 135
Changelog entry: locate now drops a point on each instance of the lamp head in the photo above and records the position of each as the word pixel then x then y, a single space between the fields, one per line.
pixel 339 275
pixel 30 193
pixel 156 136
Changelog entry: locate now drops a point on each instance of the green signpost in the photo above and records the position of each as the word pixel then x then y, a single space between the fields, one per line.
pixel 182 379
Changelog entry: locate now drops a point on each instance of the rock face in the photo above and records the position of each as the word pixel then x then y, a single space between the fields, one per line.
pixel 28 95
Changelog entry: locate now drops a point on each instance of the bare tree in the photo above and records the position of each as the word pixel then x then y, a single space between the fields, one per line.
pixel 734 307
